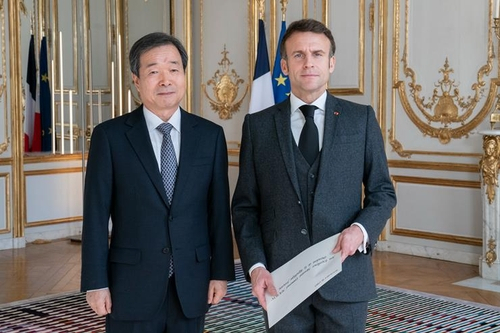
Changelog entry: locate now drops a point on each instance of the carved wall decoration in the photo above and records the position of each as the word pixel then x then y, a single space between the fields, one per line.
pixel 225 87
pixel 491 255
pixel 446 114
pixel 489 165
pixel 445 104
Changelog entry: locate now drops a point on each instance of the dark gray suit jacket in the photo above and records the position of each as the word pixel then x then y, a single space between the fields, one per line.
pixel 123 182
pixel 268 217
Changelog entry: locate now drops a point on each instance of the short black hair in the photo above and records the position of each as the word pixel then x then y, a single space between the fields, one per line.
pixel 150 41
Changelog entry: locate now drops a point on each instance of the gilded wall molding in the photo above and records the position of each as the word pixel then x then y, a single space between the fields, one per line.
pixel 490 164
pixel 360 89
pixel 8 227
pixel 395 230
pixel 4 146
pixel 490 255
pixel 46 172
pixel 445 115
pixel 225 88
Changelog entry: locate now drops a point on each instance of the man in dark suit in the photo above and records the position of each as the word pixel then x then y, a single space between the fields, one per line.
pixel 167 196
pixel 302 173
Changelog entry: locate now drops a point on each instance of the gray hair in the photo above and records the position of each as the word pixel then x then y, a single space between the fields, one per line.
pixel 150 41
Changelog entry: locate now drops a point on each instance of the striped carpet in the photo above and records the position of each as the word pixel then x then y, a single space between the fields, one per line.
pixel 392 312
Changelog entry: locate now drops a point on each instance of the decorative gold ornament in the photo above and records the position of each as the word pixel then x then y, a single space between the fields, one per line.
pixel 480 88
pixel 489 164
pixel 491 255
pixel 495 115
pixel 226 84
pixel 443 106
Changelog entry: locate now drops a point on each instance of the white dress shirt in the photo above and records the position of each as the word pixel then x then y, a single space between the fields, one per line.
pixel 152 122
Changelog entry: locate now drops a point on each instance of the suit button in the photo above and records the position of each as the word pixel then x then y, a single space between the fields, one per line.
pixel 165 250
pixel 299 202
pixel 303 232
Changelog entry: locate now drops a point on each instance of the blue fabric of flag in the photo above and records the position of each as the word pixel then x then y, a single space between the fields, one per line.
pixel 45 99
pixel 281 84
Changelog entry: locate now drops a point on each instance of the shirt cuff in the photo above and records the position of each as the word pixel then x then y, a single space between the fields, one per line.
pixel 97 289
pixel 257 265
pixel 362 247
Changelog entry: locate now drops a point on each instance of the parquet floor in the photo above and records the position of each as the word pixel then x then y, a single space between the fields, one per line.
pixel 52 268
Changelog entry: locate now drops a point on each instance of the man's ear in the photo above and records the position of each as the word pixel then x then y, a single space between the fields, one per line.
pixel 284 66
pixel 135 79
pixel 332 64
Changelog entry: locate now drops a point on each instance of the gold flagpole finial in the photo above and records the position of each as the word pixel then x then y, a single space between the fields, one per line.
pixel 284 3
pixel 262 8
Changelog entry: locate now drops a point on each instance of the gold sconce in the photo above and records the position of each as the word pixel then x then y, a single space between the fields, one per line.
pixel 225 86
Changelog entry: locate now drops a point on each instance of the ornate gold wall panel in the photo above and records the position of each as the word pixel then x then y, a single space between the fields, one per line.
pixel 53 197
pixel 448 237
pixel 5 223
pixel 359 47
pixel 439 105
pixel 4 138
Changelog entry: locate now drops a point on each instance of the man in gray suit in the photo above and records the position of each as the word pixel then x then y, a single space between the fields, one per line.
pixel 301 180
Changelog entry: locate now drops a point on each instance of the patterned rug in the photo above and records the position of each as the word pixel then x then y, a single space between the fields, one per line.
pixel 393 311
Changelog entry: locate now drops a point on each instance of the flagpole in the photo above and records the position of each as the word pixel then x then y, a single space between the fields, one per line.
pixel 91 87
pixel 112 89
pixel 62 90
pixel 129 99
pixel 70 121
pixel 53 108
pixel 120 92
pixel 99 106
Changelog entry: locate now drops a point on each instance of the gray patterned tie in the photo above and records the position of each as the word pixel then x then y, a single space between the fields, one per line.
pixel 168 170
pixel 168 160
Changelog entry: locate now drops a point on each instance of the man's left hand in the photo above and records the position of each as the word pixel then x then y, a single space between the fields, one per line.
pixel 216 290
pixel 349 241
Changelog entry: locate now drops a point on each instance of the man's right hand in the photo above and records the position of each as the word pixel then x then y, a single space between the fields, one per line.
pixel 262 281
pixel 100 301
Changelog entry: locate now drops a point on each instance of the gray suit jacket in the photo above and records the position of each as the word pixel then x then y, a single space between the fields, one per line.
pixel 268 216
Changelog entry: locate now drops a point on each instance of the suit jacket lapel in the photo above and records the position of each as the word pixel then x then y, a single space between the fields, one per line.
pixel 283 130
pixel 189 139
pixel 332 114
pixel 138 137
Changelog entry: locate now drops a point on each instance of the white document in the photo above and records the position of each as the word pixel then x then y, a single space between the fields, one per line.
pixel 300 277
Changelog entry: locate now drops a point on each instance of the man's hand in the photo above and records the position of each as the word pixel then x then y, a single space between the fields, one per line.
pixel 262 281
pixel 216 290
pixel 100 301
pixel 349 241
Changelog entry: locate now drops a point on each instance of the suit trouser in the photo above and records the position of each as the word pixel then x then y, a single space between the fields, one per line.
pixel 318 315
pixel 170 318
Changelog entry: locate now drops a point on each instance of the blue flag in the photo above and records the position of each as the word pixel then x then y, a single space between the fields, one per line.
pixel 281 84
pixel 45 99
pixel 262 86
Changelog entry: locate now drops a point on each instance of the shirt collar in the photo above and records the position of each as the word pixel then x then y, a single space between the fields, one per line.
pixel 152 120
pixel 296 102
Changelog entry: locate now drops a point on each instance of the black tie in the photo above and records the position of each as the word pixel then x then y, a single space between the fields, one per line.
pixel 309 140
